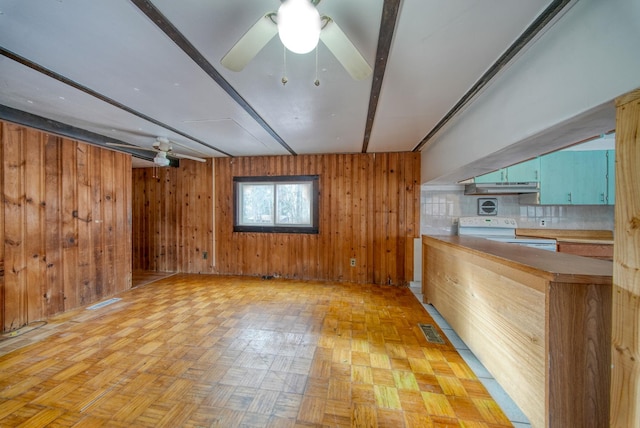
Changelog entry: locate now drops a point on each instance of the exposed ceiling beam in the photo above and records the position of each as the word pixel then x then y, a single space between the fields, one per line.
pixel 548 15
pixel 387 28
pixel 181 41
pixel 50 73
pixel 58 128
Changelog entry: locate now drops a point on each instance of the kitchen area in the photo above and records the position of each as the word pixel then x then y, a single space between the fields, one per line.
pixel 538 319
pixel 441 206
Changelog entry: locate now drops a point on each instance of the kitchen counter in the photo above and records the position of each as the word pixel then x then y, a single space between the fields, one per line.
pixel 565 234
pixel 546 264
pixel 587 243
pixel 539 321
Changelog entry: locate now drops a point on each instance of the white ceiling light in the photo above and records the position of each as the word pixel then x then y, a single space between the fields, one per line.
pixel 299 25
pixel 161 159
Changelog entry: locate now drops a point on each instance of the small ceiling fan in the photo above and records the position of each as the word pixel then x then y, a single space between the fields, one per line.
pixel 267 27
pixel 163 148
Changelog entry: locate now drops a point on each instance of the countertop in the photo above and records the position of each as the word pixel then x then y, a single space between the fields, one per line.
pixel 557 267
pixel 586 241
pixel 602 237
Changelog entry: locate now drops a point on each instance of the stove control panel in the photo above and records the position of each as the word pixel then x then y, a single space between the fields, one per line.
pixel 488 222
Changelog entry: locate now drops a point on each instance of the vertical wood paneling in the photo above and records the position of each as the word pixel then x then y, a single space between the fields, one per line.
pixel 168 262
pixel 368 209
pixel 59 197
pixel 625 351
pixel 15 313
pixel 124 218
pixel 154 204
pixel 153 231
pixel 173 218
pixel 69 200
pixel 34 244
pixel 111 231
pixel 225 256
pixel 83 220
pixel 101 285
pixel 54 292
pixel 2 227
pixel 369 220
pixel 196 235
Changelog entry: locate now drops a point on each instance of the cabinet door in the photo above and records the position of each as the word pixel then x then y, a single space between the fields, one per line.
pixel 590 185
pixel 611 177
pixel 493 177
pixel 556 178
pixel 527 171
pixel 573 178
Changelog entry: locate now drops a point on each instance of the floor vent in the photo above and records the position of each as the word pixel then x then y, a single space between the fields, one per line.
pixel 431 334
pixel 104 303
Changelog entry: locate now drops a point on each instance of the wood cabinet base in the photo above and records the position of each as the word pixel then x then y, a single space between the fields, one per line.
pixel 543 334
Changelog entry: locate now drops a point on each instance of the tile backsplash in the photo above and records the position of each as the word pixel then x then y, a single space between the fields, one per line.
pixel 441 206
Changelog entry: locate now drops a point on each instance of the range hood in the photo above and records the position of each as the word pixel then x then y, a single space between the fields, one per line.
pixel 507 188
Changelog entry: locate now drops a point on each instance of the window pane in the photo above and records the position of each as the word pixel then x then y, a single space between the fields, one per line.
pixel 257 204
pixel 294 203
pixel 276 204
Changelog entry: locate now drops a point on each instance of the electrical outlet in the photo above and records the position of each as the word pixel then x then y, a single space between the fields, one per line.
pixel 353 262
pixel 542 222
pixel 205 255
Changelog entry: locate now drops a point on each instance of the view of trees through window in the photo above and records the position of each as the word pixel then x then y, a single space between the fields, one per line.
pixel 257 204
pixel 294 203
pixel 289 204
pixel 277 202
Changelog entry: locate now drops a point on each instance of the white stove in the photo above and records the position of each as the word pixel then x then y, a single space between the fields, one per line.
pixel 501 229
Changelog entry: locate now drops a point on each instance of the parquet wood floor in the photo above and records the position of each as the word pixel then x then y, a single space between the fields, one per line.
pixel 210 351
pixel 143 277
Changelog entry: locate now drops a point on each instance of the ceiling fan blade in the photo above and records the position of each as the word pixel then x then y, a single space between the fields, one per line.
pixel 129 146
pixel 181 156
pixel 345 52
pixel 250 43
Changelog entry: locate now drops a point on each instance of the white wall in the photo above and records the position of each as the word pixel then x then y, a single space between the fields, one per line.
pixel 559 91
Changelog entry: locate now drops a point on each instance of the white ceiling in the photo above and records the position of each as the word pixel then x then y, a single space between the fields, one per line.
pixel 110 47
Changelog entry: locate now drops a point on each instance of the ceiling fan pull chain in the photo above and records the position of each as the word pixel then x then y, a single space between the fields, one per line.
pixel 284 55
pixel 316 82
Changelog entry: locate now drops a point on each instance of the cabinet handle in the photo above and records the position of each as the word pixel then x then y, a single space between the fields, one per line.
pixel 601 197
pixel 569 197
pixel 502 176
pixel 535 174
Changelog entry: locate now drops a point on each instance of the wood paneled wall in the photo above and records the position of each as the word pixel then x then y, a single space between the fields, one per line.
pixel 369 210
pixel 625 349
pixel 65 224
pixel 173 218
pixel 154 236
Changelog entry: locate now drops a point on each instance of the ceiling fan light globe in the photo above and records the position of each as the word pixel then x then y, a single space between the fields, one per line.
pixel 299 25
pixel 161 159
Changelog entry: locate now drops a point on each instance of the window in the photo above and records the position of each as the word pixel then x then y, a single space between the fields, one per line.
pixel 285 204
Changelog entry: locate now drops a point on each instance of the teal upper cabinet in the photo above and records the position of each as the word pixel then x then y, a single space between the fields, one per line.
pixel 521 172
pixel 525 171
pixel 574 178
pixel 579 175
pixel 493 177
pixel 611 177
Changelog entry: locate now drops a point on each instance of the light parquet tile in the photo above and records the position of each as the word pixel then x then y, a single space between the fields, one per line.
pixel 204 350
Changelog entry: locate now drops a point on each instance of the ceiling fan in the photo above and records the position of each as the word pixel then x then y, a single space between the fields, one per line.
pixel 163 148
pixel 267 27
